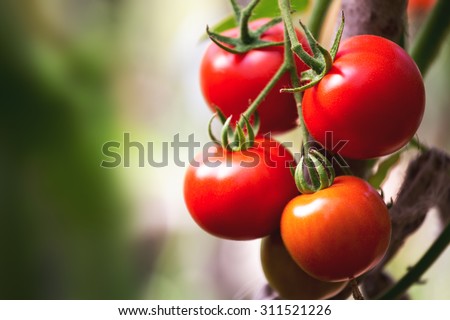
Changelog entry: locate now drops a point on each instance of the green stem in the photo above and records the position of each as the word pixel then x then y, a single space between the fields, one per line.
pixel 290 36
pixel 414 274
pixel 262 95
pixel 236 10
pixel 318 16
pixel 415 143
pixel 244 18
pixel 431 36
pixel 295 45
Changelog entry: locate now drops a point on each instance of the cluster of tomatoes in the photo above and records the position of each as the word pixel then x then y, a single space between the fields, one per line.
pixel 372 99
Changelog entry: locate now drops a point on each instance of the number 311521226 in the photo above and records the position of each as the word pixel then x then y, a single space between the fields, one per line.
pixel 295 310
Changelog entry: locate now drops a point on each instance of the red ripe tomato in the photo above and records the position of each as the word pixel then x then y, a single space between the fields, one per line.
pixel 287 278
pixel 231 81
pixel 337 233
pixel 373 97
pixel 240 195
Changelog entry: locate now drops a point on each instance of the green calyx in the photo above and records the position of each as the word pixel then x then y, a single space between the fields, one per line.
pixel 321 61
pixel 248 39
pixel 241 137
pixel 314 172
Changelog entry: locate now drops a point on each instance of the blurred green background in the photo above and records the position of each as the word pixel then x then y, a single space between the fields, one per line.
pixel 75 74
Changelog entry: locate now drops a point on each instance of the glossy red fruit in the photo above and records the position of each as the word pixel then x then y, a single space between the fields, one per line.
pixel 337 233
pixel 240 195
pixel 231 81
pixel 373 99
pixel 287 278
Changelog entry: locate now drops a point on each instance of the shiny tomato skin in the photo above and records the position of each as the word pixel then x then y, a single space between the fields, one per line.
pixel 240 195
pixel 337 233
pixel 373 97
pixel 231 81
pixel 287 278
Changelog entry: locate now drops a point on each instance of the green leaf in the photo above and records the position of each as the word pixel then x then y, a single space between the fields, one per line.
pixel 383 169
pixel 265 9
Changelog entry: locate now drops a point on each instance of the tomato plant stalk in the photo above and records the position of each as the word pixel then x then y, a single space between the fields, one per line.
pixel 318 16
pixel 414 273
pixel 431 36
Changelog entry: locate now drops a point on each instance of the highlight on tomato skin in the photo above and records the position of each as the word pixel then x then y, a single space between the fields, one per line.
pixel 372 99
pixel 240 195
pixel 232 81
pixel 337 233
pixel 287 278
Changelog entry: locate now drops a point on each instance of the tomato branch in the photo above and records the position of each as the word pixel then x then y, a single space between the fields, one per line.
pixel 431 36
pixel 414 274
pixel 376 283
pixel 262 95
pixel 378 17
pixel 426 183
pixel 319 173
pixel 318 15
pixel 294 44
pixel 291 41
pixel 244 17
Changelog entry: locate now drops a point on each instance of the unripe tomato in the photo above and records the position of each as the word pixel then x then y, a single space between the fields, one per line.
pixel 373 99
pixel 337 233
pixel 287 278
pixel 232 81
pixel 240 195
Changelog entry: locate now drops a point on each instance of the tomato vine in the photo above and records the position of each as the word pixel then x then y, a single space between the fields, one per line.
pixel 314 174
